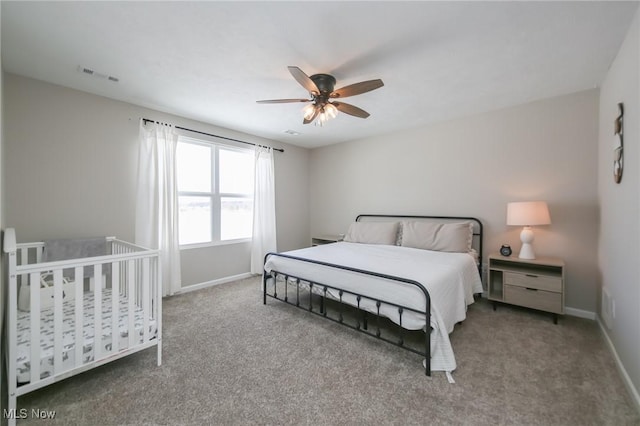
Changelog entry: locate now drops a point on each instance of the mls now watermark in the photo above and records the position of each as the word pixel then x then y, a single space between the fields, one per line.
pixel 23 413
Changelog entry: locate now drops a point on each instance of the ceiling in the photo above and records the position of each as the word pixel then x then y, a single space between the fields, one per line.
pixel 210 61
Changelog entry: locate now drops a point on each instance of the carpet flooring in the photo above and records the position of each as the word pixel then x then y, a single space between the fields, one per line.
pixel 228 359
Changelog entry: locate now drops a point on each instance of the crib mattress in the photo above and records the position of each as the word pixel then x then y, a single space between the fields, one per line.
pixel 68 355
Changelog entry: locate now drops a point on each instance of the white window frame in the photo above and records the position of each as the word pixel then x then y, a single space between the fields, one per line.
pixel 215 195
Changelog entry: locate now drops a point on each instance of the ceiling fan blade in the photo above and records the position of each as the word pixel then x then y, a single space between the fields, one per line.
pixel 350 109
pixel 357 88
pixel 316 111
pixel 282 101
pixel 304 80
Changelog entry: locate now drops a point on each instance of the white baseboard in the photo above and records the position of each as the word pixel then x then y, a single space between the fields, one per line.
pixel 211 283
pixel 633 392
pixel 580 313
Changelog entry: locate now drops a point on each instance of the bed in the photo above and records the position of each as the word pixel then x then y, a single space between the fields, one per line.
pixel 418 272
pixel 68 314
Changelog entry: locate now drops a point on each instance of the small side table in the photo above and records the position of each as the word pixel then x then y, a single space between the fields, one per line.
pixel 536 284
pixel 325 239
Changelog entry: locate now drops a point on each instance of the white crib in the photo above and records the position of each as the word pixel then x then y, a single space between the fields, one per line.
pixel 96 316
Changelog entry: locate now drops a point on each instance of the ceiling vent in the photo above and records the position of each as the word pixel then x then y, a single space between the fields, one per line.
pixel 94 73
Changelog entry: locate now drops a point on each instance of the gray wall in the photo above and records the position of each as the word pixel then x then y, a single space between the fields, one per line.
pixel 472 167
pixel 70 171
pixel 619 247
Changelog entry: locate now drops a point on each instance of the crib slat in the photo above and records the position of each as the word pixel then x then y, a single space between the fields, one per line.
pixel 145 298
pixel 35 326
pixel 24 256
pixel 115 306
pixel 79 305
pixel 157 284
pixel 122 277
pixel 57 321
pixel 138 281
pixel 131 311
pixel 97 311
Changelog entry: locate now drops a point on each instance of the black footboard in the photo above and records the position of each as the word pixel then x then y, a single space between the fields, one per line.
pixel 362 321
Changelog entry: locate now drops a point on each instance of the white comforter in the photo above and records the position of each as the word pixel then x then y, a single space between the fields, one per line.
pixel 450 278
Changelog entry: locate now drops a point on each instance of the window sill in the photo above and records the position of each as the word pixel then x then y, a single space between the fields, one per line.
pixel 214 244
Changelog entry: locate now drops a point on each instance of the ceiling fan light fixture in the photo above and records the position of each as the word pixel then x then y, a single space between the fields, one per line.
pixel 322 118
pixel 327 112
pixel 308 111
pixel 331 110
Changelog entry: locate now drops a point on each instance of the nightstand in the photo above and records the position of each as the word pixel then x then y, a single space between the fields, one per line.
pixel 326 239
pixel 536 284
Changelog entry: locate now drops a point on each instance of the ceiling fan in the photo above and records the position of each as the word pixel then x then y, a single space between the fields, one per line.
pixel 323 105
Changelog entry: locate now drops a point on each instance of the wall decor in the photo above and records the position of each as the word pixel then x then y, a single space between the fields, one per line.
pixel 618 154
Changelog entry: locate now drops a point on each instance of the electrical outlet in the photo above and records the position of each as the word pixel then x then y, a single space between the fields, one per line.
pixel 607 308
pixel 613 309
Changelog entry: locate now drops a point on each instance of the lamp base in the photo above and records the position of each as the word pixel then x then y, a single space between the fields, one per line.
pixel 526 251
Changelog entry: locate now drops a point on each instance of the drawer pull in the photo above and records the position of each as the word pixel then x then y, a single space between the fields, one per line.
pixel 531 275
pixel 531 289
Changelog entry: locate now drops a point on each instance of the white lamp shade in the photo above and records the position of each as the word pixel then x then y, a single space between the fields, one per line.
pixel 528 213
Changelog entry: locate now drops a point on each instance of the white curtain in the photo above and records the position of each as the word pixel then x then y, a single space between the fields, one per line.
pixel 264 209
pixel 157 200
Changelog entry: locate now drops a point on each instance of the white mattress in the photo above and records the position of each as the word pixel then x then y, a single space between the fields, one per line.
pixel 68 355
pixel 450 278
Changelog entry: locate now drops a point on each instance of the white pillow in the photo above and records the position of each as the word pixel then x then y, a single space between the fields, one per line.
pixel 373 233
pixel 449 237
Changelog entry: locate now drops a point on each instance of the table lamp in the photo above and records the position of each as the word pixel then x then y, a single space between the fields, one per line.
pixel 527 214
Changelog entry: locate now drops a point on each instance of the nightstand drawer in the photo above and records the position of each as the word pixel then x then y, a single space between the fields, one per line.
pixel 539 282
pixel 533 298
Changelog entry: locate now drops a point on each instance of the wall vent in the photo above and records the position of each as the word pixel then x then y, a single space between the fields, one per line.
pixel 94 73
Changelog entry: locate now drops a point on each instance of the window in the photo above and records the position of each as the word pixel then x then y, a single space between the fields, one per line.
pixel 215 192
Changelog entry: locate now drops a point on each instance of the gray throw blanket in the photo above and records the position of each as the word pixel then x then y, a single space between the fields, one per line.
pixel 66 249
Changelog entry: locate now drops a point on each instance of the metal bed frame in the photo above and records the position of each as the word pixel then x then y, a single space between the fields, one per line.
pixel 321 290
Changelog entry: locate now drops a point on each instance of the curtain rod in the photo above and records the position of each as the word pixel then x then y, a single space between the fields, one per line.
pixel 147 120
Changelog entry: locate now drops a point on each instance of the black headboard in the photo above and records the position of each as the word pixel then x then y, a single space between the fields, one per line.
pixel 477 226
